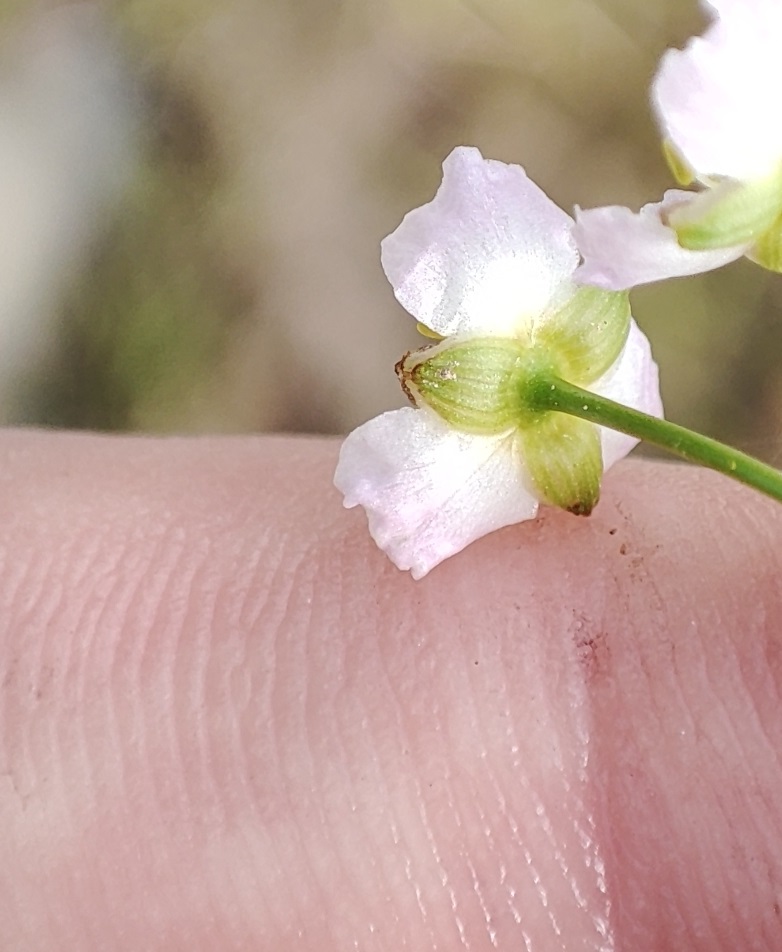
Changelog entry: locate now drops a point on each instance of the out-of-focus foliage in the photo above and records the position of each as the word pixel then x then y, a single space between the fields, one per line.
pixel 227 276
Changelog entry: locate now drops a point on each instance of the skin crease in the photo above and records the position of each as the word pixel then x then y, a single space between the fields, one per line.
pixel 227 722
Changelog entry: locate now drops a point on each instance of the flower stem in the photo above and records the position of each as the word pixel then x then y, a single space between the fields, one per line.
pixel 548 392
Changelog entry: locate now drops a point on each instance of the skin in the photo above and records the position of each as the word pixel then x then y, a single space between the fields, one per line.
pixel 227 722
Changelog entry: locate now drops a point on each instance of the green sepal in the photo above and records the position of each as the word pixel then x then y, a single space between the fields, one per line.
pixel 584 337
pixel 475 385
pixel 767 251
pixel 564 460
pixel 731 213
pixel 682 172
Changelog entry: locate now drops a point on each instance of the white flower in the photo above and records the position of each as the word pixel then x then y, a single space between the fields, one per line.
pixel 490 258
pixel 717 104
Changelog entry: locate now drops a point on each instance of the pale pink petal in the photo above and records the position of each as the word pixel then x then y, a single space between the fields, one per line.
pixel 486 255
pixel 622 248
pixel 718 99
pixel 428 490
pixel 633 380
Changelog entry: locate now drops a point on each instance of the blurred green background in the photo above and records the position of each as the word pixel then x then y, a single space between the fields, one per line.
pixel 194 192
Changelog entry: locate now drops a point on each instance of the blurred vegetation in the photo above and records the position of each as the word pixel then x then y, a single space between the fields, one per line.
pixel 233 282
pixel 149 318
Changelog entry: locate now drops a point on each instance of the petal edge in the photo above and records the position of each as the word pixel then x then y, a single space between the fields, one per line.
pixel 622 249
pixel 485 255
pixel 429 491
